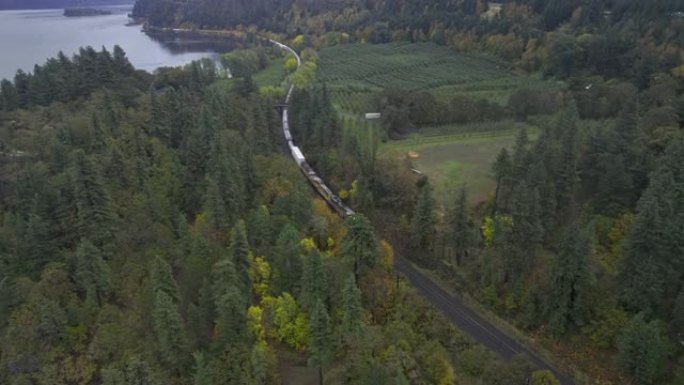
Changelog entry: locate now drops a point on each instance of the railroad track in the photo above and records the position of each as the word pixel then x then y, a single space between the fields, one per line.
pixel 462 316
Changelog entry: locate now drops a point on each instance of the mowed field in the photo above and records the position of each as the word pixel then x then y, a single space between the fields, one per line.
pixel 451 161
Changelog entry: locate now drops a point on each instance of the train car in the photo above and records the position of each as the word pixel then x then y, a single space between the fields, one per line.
pixel 318 184
pixel 297 155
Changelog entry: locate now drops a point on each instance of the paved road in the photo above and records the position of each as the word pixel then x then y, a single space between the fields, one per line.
pixel 469 321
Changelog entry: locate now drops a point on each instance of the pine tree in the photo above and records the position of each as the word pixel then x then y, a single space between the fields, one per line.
pixel 642 350
pixel 521 156
pixel 231 322
pixel 287 260
pixel 359 244
pixel 460 226
pixel 10 97
pixel 526 233
pixel 95 218
pixel 423 220
pixel 92 273
pixel 162 279
pixel 223 276
pixel 650 276
pixel 567 177
pixel 319 347
pixel 215 207
pixel 202 375
pixel 352 310
pixel 502 169
pixel 168 328
pixel 570 283
pixel 260 227
pixel 239 252
pixel 120 61
pixel 314 281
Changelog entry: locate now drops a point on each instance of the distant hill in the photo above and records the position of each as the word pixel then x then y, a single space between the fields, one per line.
pixel 46 4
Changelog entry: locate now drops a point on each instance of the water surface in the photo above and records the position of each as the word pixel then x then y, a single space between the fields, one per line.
pixel 29 37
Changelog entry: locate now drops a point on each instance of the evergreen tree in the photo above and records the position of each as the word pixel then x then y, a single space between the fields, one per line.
pixel 314 281
pixel 215 207
pixel 287 260
pixel 651 277
pixel 168 328
pixel 239 251
pixel 10 97
pixel 162 279
pixel 567 178
pixel 319 347
pixel 526 233
pixel 521 156
pixel 223 276
pixel 502 169
pixel 120 61
pixel 570 283
pixel 423 220
pixel 260 227
pixel 201 316
pixel 359 244
pixel 95 218
pixel 231 323
pixel 642 350
pixel 352 310
pixel 460 226
pixel 202 375
pixel 92 273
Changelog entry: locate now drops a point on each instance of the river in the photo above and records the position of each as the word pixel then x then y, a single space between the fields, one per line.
pixel 29 37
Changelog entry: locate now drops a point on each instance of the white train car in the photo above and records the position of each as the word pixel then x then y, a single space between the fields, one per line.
pixel 297 155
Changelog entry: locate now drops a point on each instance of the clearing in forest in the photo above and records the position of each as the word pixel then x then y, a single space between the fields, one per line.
pixel 451 161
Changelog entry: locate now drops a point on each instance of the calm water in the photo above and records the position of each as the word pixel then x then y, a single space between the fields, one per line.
pixel 30 37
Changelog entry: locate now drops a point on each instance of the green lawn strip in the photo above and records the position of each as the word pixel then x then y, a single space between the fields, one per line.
pixel 532 344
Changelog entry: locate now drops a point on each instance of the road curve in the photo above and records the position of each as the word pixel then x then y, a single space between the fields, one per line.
pixel 463 317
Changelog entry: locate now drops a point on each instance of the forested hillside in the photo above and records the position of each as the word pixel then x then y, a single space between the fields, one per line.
pixel 151 232
pixel 579 242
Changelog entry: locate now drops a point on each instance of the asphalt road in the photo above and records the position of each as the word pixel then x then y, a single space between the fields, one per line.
pixel 469 321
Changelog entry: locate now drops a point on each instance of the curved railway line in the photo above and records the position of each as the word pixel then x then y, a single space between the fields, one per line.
pixel 462 316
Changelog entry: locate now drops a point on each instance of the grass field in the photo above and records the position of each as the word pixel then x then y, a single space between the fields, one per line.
pixel 452 160
pixel 355 73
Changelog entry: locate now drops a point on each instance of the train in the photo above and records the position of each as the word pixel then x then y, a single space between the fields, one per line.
pixel 318 184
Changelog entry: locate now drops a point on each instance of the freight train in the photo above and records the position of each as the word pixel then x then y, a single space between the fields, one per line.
pixel 318 184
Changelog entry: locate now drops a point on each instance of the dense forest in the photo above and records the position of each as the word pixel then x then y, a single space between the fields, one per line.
pixel 152 232
pixel 580 240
